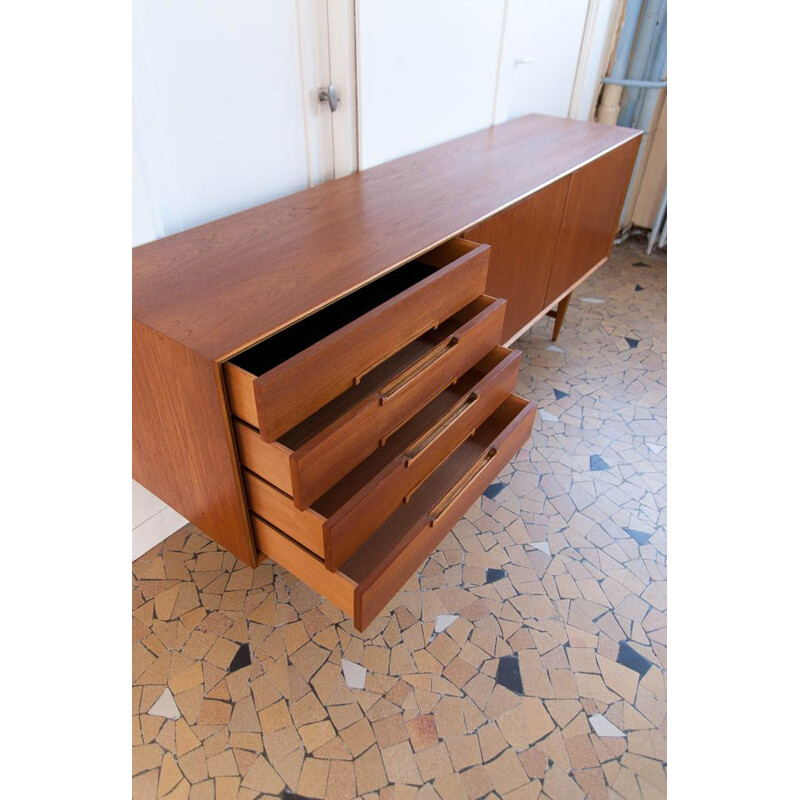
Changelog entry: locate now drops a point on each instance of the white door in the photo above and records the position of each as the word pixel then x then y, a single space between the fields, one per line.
pixel 432 71
pixel 225 103
pixel 227 115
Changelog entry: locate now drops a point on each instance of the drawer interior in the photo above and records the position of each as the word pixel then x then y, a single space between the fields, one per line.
pixel 380 550
pixel 339 521
pixel 405 436
pixel 312 329
pixel 381 375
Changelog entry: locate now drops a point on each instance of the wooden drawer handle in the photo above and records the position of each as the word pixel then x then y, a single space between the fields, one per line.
pixel 414 336
pixel 426 362
pixel 465 481
pixel 449 419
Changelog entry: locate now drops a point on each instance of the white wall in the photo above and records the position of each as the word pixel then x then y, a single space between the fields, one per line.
pixel 432 71
pixel 427 72
pixel 218 105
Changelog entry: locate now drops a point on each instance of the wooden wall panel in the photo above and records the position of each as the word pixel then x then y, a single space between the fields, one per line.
pixel 182 444
pixel 523 240
pixel 594 202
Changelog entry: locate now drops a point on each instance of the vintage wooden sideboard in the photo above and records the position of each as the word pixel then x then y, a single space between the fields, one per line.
pixel 325 380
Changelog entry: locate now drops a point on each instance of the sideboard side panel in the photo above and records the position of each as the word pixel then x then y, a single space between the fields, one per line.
pixel 183 449
pixel 523 239
pixel 594 202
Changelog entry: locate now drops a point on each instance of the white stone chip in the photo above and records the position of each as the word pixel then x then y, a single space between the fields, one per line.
pixel 602 727
pixel 543 546
pixel 165 706
pixel 354 674
pixel 444 621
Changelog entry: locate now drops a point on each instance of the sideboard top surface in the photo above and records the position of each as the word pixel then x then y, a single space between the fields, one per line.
pixel 225 285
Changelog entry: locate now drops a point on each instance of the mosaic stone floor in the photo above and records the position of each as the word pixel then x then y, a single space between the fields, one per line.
pixel 528 657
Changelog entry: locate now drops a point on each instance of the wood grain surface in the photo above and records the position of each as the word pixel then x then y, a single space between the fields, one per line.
pixel 594 202
pixel 523 240
pixel 225 285
pixel 183 448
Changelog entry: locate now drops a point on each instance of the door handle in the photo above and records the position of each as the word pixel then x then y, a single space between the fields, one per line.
pixel 329 95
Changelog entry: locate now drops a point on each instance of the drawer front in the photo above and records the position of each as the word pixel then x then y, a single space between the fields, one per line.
pixel 339 446
pixel 298 387
pixel 270 460
pixel 397 563
pixel 305 527
pixel 348 528
pixel 346 517
pixel 273 543
pixel 369 579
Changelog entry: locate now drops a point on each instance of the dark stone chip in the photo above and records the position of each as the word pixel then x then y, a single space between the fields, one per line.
pixel 508 674
pixel 640 536
pixel 241 659
pixel 493 574
pixel 493 490
pixel 632 659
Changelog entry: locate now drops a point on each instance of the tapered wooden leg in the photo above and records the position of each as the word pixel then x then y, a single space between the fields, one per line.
pixel 561 312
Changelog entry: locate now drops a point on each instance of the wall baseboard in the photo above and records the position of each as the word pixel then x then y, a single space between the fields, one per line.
pixel 155 529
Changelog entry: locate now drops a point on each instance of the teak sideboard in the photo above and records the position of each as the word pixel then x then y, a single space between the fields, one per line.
pixel 325 380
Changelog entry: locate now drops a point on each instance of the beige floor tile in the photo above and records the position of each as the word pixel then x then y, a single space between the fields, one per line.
pixel 434 762
pixel 313 778
pixel 316 734
pixel 358 737
pixel 262 777
pixel 476 782
pixel 390 730
pixel 581 752
pixel 450 787
pixel 169 775
pixel 464 751
pixel 619 678
pixel 221 653
pixel 370 772
pixel 557 784
pixel 401 766
pixel 506 773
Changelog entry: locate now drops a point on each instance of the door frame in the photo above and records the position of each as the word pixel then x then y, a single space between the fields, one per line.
pixel 328 55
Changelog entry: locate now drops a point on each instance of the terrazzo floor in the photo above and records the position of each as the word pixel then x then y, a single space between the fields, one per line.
pixel 527 658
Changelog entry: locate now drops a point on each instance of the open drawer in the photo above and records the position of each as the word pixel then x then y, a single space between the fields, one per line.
pixel 340 521
pixel 308 460
pixel 367 580
pixel 278 383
